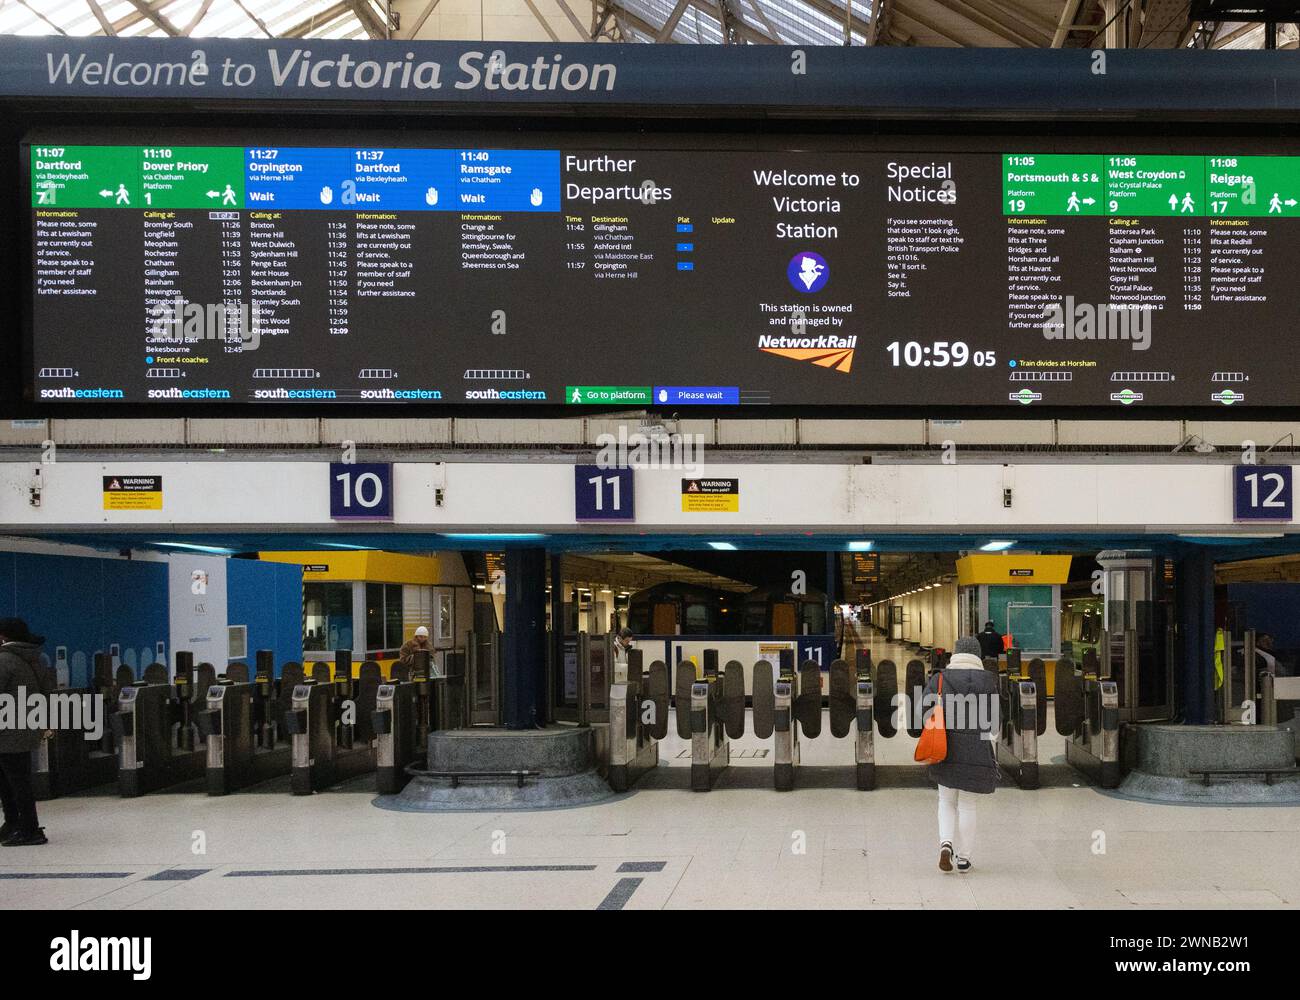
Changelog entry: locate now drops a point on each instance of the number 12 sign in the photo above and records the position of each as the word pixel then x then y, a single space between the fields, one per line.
pixel 603 494
pixel 1261 493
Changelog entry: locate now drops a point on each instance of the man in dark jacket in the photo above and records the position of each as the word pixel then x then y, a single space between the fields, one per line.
pixel 21 676
pixel 990 642
pixel 970 696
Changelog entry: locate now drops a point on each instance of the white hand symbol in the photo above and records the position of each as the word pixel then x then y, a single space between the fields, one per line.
pixel 326 195
pixel 536 197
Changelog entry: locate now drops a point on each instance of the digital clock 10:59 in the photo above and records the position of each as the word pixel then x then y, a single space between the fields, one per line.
pixel 940 354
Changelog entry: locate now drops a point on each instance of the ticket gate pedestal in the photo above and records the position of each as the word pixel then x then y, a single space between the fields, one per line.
pixel 149 758
pixel 710 748
pixel 318 759
pixel 790 701
pixel 1017 738
pixel 864 749
pixel 632 749
pixel 633 739
pixel 69 762
pixel 396 723
pixel 234 760
pixel 1093 747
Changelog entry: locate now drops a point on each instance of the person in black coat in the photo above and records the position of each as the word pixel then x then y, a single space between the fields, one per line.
pixel 21 670
pixel 970 707
pixel 990 641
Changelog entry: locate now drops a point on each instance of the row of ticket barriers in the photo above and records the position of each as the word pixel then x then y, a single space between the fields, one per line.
pixel 864 704
pixel 317 725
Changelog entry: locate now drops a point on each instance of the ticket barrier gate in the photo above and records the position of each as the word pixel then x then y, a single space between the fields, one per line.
pixel 331 725
pixel 786 702
pixel 710 713
pixel 396 723
pixel 638 720
pixel 864 749
pixel 403 708
pixel 1022 717
pixel 69 762
pixel 245 745
pixel 430 706
pixel 1087 715
pixel 154 728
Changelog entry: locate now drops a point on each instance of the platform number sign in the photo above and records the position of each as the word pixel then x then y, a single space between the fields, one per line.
pixel 361 491
pixel 1261 492
pixel 602 494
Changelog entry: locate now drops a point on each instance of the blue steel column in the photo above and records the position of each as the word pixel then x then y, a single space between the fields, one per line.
pixel 1196 630
pixel 523 688
pixel 831 591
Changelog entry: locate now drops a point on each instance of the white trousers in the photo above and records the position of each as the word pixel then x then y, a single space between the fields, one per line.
pixel 957 820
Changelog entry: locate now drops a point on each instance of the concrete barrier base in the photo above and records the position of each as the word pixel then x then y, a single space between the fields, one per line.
pixel 564 756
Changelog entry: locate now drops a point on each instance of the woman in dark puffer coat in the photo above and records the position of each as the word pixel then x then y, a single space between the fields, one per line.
pixel 970 698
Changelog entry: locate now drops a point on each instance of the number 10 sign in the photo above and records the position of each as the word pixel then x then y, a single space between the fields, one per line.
pixel 602 494
pixel 361 492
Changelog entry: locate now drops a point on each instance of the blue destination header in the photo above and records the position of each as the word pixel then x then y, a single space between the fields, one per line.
pixel 449 180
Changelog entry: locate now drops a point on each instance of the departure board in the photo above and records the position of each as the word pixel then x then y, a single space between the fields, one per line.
pixel 624 276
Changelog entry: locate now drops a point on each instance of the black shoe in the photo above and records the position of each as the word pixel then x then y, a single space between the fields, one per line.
pixel 945 857
pixel 7 830
pixel 963 864
pixel 33 839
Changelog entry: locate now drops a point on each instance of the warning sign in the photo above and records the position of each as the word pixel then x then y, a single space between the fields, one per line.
pixel 710 496
pixel 133 493
pixel 771 651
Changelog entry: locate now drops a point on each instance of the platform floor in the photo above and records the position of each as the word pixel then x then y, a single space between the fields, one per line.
pixel 823 845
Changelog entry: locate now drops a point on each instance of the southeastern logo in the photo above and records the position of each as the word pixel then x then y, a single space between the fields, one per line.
pixel 825 351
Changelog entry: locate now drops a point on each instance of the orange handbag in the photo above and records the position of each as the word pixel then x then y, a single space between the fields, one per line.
pixel 932 747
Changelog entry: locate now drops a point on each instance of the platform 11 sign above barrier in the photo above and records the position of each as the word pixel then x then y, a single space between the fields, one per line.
pixel 603 494
pixel 1262 493
pixel 361 491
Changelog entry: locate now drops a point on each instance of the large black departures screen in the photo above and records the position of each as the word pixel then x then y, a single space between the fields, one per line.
pixel 310 272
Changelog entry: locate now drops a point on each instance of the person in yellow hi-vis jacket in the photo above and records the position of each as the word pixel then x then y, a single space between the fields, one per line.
pixel 1219 645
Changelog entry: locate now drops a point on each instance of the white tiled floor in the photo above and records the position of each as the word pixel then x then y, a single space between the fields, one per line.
pixel 823 845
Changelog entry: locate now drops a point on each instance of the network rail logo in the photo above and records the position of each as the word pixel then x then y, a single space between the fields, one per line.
pixel 825 350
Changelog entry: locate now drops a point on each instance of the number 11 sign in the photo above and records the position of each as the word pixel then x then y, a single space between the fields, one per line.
pixel 1261 493
pixel 603 494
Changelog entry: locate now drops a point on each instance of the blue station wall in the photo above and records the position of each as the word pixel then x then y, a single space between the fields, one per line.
pixel 267 597
pixel 87 604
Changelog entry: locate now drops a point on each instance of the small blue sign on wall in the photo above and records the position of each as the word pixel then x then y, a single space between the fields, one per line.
pixel 362 491
pixel 1261 492
pixel 603 494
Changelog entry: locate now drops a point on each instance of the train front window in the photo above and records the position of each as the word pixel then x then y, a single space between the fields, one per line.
pixel 697 620
pixel 783 619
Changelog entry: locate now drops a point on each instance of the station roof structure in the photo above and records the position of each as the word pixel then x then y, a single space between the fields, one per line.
pixel 1159 24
